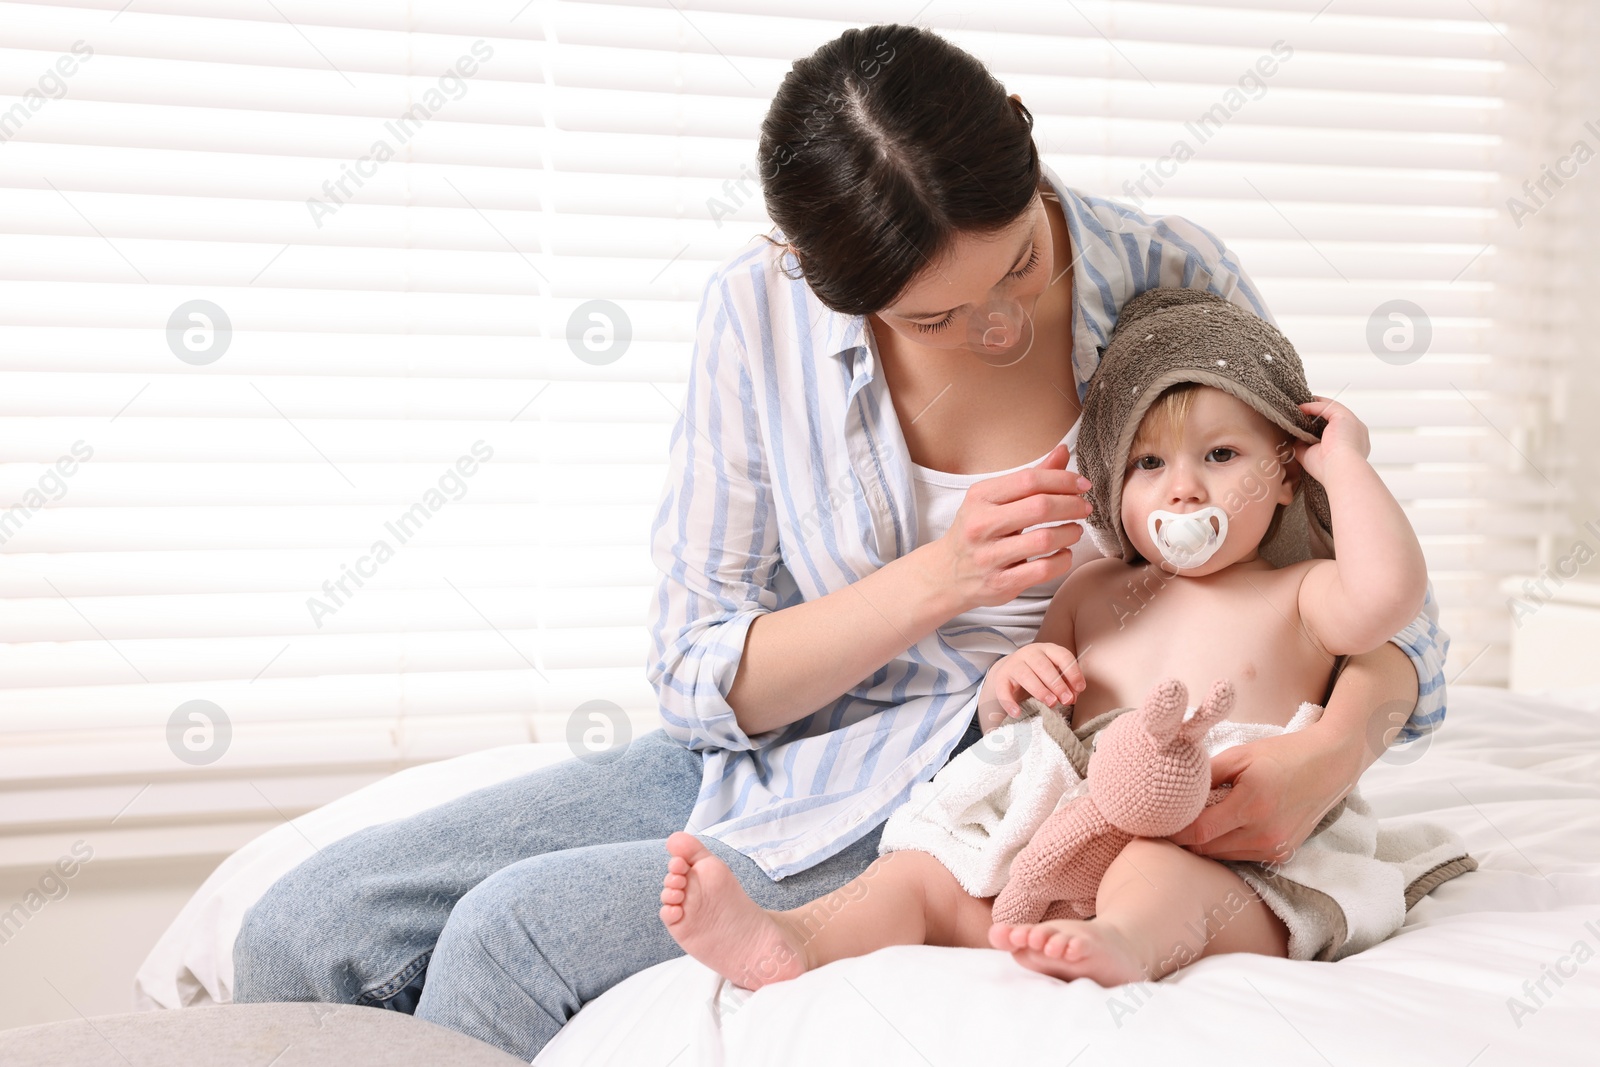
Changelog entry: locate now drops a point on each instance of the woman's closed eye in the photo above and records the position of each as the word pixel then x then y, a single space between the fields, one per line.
pixel 929 327
pixel 1026 269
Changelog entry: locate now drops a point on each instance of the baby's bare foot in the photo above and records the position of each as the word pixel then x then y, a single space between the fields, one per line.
pixel 1069 949
pixel 707 911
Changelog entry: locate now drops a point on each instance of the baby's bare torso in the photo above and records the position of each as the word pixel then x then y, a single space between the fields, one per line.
pixel 1135 626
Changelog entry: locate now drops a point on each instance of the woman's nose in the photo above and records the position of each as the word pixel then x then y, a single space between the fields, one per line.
pixel 1002 323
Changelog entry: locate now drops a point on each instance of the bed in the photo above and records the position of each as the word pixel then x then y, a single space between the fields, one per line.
pixel 1501 965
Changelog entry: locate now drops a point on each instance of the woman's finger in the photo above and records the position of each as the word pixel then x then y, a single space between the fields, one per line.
pixel 1042 478
pixel 1244 843
pixel 1031 572
pixel 1038 509
pixel 1220 818
pixel 1046 540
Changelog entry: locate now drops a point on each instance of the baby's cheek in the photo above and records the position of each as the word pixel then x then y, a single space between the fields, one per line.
pixel 1134 517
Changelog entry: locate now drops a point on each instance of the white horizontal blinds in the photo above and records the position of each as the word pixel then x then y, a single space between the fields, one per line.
pixel 602 152
pixel 360 189
pixel 1570 303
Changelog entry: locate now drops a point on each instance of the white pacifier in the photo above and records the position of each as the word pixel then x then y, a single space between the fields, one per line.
pixel 1188 539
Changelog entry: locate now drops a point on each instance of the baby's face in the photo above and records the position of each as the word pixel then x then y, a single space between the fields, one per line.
pixel 1230 458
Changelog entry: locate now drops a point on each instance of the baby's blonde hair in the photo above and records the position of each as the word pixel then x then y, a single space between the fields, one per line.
pixel 1164 418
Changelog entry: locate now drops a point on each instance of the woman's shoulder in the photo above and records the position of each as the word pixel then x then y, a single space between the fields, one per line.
pixel 762 262
pixel 759 253
pixel 1123 231
pixel 760 290
pixel 1121 216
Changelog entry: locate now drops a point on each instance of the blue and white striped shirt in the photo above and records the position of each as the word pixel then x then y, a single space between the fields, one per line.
pixel 789 479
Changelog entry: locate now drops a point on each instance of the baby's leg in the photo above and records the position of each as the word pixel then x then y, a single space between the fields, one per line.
pixel 1159 908
pixel 903 898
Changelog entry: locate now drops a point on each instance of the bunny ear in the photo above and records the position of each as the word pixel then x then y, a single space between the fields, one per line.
pixel 1164 707
pixel 1216 707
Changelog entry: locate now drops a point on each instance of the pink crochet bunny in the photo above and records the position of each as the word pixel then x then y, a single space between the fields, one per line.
pixel 1149 776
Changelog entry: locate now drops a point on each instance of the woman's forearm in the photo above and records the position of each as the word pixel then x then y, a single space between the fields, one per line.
pixel 1371 701
pixel 804 657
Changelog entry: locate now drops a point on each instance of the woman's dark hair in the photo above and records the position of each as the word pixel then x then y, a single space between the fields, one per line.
pixel 878 148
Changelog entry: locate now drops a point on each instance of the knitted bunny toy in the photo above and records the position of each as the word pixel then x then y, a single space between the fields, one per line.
pixel 1149 776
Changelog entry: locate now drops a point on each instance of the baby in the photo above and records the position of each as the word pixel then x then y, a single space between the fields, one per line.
pixel 1201 481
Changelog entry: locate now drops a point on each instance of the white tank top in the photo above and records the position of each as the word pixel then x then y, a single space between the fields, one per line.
pixel 938 495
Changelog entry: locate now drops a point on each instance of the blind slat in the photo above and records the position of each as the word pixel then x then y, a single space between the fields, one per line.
pixel 589 156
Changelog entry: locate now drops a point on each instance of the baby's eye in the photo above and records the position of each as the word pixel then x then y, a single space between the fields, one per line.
pixel 1221 455
pixel 1147 463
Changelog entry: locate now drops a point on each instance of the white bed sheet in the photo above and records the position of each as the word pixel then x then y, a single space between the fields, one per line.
pixel 1518 776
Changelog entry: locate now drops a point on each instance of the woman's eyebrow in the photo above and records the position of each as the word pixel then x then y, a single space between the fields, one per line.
pixel 1026 244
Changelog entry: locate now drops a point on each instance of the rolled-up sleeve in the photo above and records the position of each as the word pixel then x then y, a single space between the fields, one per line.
pixel 714 539
pixel 1427 645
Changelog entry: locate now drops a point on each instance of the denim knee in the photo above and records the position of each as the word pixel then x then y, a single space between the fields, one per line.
pixel 272 953
pixel 529 945
pixel 309 938
pixel 502 919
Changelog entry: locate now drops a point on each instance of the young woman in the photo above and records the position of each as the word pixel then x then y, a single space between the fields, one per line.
pixel 870 500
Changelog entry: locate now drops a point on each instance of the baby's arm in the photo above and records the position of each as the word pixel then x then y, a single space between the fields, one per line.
pixel 1376 586
pixel 1047 668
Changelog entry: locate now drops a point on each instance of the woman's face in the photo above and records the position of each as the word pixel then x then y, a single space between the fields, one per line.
pixel 980 295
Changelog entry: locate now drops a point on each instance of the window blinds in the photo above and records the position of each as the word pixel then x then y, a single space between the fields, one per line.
pixel 286 283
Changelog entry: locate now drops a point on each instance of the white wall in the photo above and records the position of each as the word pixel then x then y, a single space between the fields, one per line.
pixel 87 943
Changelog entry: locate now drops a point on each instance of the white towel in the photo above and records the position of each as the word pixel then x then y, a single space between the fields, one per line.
pixel 982 807
pixel 1346 888
pixel 1351 883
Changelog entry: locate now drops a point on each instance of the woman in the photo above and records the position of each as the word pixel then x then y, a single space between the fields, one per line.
pixel 843 554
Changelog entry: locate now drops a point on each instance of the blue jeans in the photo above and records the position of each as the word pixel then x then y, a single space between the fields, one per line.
pixel 500 913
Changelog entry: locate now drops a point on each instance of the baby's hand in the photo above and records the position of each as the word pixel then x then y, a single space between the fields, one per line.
pixel 1049 672
pixel 1344 433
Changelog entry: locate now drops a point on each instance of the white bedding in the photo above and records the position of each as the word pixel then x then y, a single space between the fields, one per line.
pixel 1517 776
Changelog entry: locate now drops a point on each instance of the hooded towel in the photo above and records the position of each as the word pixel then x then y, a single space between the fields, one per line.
pixel 1167 336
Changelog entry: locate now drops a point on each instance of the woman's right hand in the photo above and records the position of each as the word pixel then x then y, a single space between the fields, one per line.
pixel 986 556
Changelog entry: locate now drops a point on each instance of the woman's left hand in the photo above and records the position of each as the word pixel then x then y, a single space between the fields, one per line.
pixel 1282 786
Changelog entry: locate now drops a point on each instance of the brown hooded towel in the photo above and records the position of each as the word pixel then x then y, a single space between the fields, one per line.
pixel 1167 336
